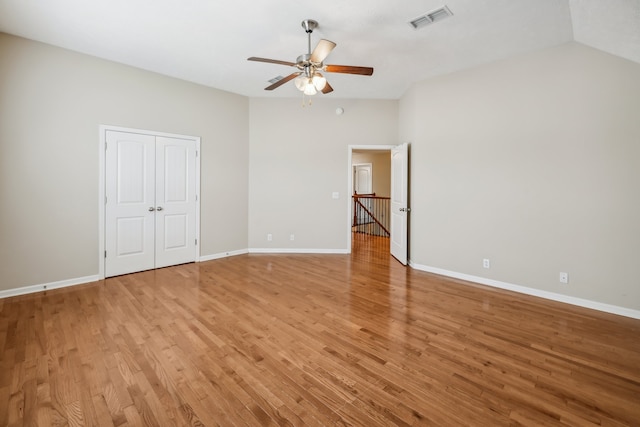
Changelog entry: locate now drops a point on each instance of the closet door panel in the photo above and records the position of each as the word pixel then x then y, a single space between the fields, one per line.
pixel 130 201
pixel 175 201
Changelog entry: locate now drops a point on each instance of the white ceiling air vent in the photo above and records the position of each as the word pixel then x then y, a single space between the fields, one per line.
pixel 275 79
pixel 431 17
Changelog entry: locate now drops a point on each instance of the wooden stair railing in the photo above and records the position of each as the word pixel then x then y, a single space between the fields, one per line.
pixel 380 207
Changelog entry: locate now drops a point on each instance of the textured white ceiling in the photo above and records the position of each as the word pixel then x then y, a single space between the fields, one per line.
pixel 612 26
pixel 208 41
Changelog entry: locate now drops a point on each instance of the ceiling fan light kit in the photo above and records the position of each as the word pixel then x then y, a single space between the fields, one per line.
pixel 310 85
pixel 309 78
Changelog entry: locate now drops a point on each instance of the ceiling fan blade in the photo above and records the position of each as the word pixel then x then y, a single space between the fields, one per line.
pixel 348 69
pixel 271 61
pixel 282 81
pixel 327 88
pixel 321 51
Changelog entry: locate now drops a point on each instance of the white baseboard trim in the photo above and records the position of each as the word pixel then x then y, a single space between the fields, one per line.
pixel 48 286
pixel 296 251
pixel 223 255
pixel 607 308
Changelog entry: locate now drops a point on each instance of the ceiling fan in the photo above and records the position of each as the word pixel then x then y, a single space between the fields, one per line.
pixel 309 78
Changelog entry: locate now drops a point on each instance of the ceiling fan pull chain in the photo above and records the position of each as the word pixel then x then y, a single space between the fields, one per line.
pixel 303 101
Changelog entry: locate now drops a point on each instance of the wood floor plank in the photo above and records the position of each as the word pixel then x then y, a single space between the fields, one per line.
pixel 317 340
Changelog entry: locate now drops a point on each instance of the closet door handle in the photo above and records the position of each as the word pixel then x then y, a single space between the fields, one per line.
pixel 151 209
pixel 159 208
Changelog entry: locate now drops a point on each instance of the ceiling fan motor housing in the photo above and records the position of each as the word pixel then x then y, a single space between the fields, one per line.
pixel 303 59
pixel 303 64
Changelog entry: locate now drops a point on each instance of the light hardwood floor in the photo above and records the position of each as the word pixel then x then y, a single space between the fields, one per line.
pixel 310 340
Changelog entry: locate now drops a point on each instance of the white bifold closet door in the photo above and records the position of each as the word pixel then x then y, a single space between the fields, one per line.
pixel 150 214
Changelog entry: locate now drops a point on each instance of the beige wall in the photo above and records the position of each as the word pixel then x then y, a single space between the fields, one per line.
pixel 534 163
pixel 381 167
pixel 52 102
pixel 299 157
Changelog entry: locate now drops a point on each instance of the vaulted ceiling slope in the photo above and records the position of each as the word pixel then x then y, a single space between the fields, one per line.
pixel 209 41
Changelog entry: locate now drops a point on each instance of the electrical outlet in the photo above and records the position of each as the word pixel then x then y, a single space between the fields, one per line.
pixel 486 263
pixel 564 277
pixel 292 237
pixel 269 237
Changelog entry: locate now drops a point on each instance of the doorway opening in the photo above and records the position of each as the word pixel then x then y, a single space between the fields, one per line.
pixel 370 191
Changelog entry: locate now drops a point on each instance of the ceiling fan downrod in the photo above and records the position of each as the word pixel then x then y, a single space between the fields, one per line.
pixel 309 25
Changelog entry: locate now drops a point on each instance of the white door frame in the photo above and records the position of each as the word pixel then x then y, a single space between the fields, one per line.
pixel 102 182
pixel 350 180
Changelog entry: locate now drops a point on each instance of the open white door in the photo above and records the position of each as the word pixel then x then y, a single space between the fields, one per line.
pixel 399 199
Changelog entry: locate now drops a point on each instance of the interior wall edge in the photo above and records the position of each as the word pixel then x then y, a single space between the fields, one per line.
pixel 13 292
pixel 594 305
pixel 224 254
pixel 567 299
pixel 296 251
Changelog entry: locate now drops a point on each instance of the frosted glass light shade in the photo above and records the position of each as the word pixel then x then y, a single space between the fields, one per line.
pixel 310 89
pixel 301 82
pixel 319 81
